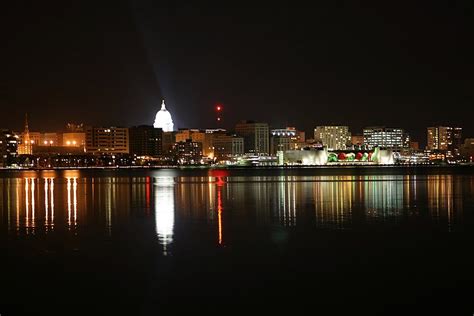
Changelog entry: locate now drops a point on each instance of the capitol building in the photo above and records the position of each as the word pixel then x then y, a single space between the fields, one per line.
pixel 163 119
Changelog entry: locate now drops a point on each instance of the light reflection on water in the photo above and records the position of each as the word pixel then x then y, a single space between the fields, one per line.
pixel 72 202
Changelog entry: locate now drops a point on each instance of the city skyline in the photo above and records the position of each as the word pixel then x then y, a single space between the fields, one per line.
pixel 288 68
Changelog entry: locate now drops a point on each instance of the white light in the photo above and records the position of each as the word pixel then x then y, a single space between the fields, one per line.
pixel 164 211
pixel 163 119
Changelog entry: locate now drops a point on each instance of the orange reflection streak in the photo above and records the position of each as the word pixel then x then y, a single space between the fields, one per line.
pixel 219 208
pixel 52 201
pixel 68 187
pixel 46 203
pixel 33 202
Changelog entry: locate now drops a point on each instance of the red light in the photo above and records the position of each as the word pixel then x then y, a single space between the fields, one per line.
pixel 219 107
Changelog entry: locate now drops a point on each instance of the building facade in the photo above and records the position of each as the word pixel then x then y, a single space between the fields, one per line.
pixel 283 139
pixel 386 137
pixel 8 148
pixel 201 136
pixel 467 149
pixel 188 152
pixel 227 146
pixel 74 139
pixel 113 140
pixel 333 137
pixel 256 137
pixel 444 138
pixel 145 140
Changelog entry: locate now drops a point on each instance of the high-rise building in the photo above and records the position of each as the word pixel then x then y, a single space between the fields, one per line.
pixel 444 138
pixel 432 138
pixel 114 140
pixel 227 146
pixel 256 137
pixel 283 139
pixel 333 137
pixel 8 148
pixel 386 137
pixel 145 140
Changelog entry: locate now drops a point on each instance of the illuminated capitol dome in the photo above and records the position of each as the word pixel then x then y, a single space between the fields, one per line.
pixel 163 119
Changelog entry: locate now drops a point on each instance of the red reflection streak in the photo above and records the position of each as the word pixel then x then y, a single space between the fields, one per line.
pixel 219 213
pixel 220 183
pixel 147 192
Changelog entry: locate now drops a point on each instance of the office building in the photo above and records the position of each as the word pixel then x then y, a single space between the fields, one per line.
pixel 188 152
pixel 145 140
pixel 8 148
pixel 386 137
pixel 227 146
pixel 333 137
pixel 256 137
pixel 113 140
pixel 444 138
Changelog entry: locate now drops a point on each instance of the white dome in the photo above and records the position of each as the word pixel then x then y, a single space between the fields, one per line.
pixel 163 119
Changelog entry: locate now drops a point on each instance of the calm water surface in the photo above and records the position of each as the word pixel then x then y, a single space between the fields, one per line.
pixel 380 241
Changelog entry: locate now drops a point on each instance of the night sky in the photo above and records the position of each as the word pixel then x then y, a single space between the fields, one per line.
pixel 405 66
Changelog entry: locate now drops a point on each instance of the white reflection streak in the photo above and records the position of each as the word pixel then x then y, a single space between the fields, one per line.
pixel 164 211
pixel 74 192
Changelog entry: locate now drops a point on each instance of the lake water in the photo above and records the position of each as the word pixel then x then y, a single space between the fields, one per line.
pixel 374 240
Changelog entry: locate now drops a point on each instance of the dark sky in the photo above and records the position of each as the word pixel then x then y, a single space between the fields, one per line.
pixel 406 65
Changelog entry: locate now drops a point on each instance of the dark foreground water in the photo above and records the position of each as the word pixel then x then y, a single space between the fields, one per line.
pixel 321 241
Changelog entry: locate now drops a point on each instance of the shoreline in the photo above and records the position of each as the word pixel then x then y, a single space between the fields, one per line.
pixel 330 167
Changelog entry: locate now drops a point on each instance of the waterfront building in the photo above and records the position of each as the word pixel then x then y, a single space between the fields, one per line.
pixel 145 140
pixel 188 152
pixel 113 140
pixel 201 136
pixel 256 137
pixel 8 148
pixel 74 139
pixel 467 149
pixel 444 138
pixel 333 137
pixel 227 146
pixel 283 139
pixel 386 137
pixel 167 142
